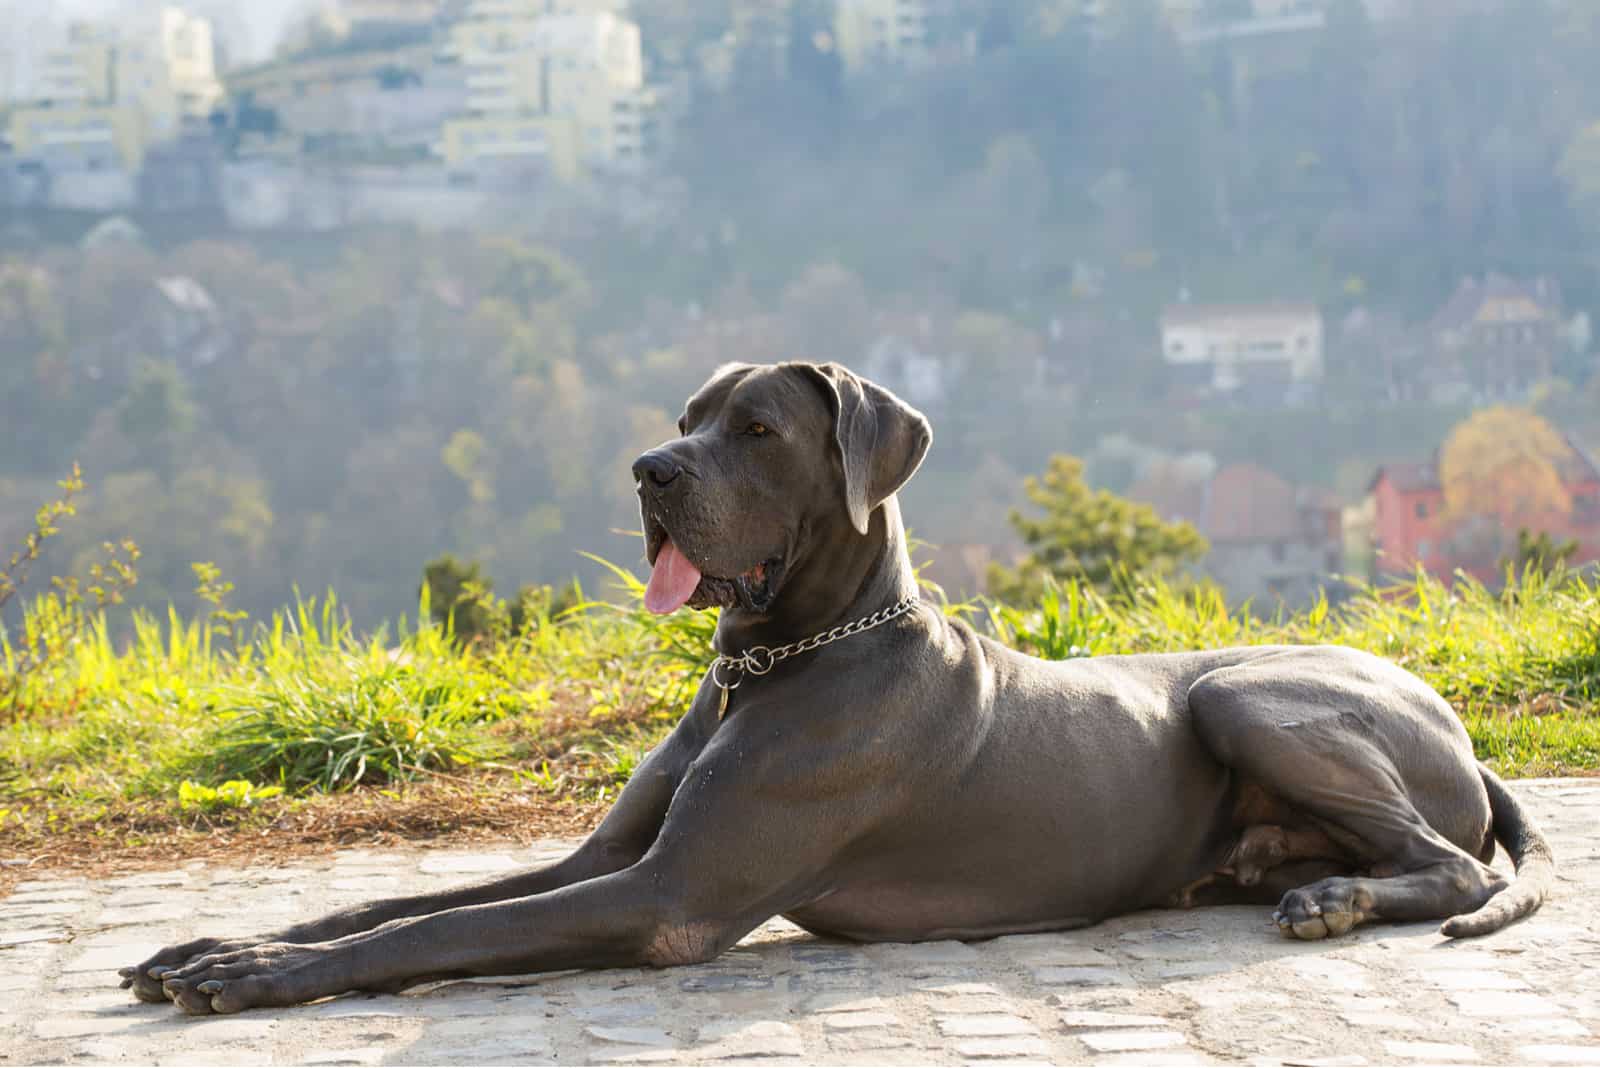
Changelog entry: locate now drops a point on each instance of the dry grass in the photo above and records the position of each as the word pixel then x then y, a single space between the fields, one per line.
pixel 139 836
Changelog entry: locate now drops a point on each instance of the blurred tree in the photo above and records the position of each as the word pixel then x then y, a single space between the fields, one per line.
pixel 827 314
pixel 157 413
pixel 460 597
pixel 1504 463
pixel 1580 170
pixel 1091 536
pixel 1540 552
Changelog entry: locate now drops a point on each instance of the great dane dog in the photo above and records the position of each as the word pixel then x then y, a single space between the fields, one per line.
pixel 871 769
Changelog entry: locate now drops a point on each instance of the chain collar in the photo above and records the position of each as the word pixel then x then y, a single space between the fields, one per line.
pixel 729 671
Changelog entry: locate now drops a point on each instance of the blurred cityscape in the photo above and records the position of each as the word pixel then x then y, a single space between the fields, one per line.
pixel 1254 260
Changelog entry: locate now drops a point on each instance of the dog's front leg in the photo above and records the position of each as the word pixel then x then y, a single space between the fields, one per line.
pixel 616 920
pixel 627 832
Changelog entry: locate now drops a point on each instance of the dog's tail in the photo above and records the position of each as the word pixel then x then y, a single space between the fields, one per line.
pixel 1536 866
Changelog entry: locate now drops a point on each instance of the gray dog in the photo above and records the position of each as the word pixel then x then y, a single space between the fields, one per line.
pixel 871 769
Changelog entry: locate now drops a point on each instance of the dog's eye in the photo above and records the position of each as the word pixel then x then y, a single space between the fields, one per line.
pixel 756 430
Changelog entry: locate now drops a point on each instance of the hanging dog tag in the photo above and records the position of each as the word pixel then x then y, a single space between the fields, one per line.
pixel 722 703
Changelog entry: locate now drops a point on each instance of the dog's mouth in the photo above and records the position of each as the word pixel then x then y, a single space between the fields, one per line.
pixel 676 581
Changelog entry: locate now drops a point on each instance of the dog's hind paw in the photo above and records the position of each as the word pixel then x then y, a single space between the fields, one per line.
pixel 1325 909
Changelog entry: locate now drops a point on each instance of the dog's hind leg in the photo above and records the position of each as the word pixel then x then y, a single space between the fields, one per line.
pixel 1350 745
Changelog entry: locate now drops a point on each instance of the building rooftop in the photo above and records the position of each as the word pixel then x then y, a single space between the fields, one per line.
pixel 1464 304
pixel 1175 315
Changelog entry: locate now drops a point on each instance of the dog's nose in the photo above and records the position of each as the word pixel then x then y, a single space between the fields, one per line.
pixel 656 466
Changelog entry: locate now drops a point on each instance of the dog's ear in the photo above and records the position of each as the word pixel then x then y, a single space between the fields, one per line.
pixel 881 439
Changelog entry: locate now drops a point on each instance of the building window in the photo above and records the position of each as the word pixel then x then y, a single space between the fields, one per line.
pixel 1176 348
pixel 1280 552
pixel 1422 509
pixel 1424 547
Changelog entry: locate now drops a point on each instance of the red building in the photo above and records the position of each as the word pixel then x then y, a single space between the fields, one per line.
pixel 1411 527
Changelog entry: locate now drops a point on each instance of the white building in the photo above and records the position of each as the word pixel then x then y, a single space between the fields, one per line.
pixel 871 34
pixel 98 96
pixel 547 80
pixel 1225 347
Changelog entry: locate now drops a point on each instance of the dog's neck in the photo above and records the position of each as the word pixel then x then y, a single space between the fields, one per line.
pixel 843 576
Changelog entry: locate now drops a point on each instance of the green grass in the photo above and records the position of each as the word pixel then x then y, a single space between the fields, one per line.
pixel 181 721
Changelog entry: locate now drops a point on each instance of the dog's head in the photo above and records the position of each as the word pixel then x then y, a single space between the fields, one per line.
pixel 771 461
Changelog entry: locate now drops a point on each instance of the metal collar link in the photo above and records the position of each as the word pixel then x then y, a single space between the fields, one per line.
pixel 729 671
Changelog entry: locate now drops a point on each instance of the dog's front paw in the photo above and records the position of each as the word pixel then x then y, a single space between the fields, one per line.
pixel 145 977
pixel 268 974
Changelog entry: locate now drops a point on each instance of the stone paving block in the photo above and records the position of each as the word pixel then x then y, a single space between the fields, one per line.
pixel 1473 979
pixel 1189 969
pixel 853 1021
pixel 108 958
pixel 1330 973
pixel 924 953
pixel 1081 977
pixel 1497 1003
pixel 1160 1060
pixel 721 983
pixel 630 1036
pixel 212 1058
pixel 1012 1047
pixel 152 878
pixel 13 911
pixel 1444 1052
pixel 93 937
pixel 41 887
pixel 31 934
pixel 1167 945
pixel 467 864
pixel 976 1004
pixel 1041 950
pixel 1380 1020
pixel 608 1054
pixel 376 885
pixel 1125 1041
pixel 872 1041
pixel 1555 1054
pixel 140 915
pixel 75 1026
pixel 478 1041
pixel 727 1039
pixel 836 1003
pixel 1091 1018
pixel 615 1013
pixel 976 1026
pixel 950 988
pixel 360 1055
pixel 354 1006
pixel 84 982
pixel 851 980
pixel 1533 1027
pixel 211 1031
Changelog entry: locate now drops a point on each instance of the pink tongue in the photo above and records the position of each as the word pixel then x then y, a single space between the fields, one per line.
pixel 672 582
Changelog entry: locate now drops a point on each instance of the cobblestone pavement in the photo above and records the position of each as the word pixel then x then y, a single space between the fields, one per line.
pixel 1205 986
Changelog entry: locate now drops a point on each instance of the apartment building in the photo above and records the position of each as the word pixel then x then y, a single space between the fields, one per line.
pixel 100 97
pixel 1229 348
pixel 560 81
pixel 871 34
